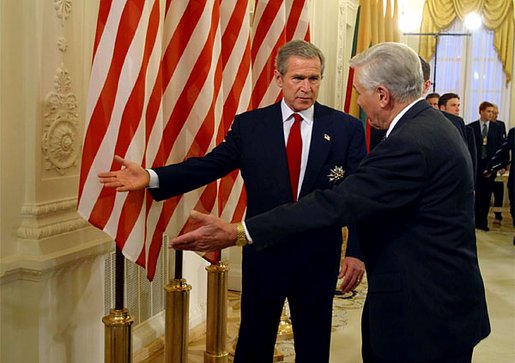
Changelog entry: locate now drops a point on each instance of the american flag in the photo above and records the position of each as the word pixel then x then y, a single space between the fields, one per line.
pixel 274 23
pixel 164 86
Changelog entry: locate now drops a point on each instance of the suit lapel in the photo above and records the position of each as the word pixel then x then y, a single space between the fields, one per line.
pixel 320 145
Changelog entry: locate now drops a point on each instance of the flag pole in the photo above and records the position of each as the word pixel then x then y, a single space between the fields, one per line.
pixel 118 334
pixel 177 313
pixel 216 331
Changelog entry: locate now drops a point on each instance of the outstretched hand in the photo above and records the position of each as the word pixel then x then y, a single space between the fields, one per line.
pixel 210 234
pixel 132 176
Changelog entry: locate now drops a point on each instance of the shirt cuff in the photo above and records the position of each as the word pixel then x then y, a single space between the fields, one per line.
pixel 154 179
pixel 249 239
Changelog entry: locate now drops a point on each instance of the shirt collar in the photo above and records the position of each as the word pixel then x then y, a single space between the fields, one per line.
pixel 399 115
pixel 287 112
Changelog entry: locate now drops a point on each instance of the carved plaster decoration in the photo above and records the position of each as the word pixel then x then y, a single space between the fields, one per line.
pixel 63 9
pixel 61 143
pixel 40 232
pixel 340 46
pixel 62 44
pixel 39 219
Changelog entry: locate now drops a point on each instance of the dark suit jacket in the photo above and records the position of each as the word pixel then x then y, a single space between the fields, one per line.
pixel 468 136
pixel 495 139
pixel 412 200
pixel 255 145
pixel 503 126
pixel 501 158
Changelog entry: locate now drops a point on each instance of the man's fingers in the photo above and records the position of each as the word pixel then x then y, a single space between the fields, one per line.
pixel 200 217
pixel 119 160
pixel 182 242
pixel 343 271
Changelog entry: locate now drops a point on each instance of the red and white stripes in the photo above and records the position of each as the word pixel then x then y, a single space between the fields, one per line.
pixel 166 85
pixel 275 23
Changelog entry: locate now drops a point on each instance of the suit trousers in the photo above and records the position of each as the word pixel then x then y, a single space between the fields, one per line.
pixel 483 196
pixel 498 191
pixel 311 323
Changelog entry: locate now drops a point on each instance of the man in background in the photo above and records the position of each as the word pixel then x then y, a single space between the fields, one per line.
pixel 489 137
pixel 498 189
pixel 432 99
pixel 449 102
pixel 449 105
pixel 504 158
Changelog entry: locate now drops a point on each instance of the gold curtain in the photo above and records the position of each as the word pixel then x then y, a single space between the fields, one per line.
pixel 376 25
pixel 497 15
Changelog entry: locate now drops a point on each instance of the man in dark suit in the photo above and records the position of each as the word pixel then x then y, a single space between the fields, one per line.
pixel 412 202
pixel 503 160
pixel 498 189
pixel 489 137
pixel 449 105
pixel 259 144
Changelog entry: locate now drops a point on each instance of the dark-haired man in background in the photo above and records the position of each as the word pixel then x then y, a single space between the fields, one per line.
pixel 489 137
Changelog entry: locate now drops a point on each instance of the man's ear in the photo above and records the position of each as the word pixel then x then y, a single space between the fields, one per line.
pixel 278 78
pixel 384 96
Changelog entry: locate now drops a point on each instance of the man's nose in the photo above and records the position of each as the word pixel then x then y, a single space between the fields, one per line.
pixel 305 85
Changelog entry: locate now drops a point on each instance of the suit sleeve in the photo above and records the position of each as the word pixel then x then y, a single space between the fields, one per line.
pixel 501 157
pixel 357 151
pixel 195 172
pixel 387 182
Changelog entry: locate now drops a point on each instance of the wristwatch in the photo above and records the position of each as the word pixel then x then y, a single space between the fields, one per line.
pixel 241 237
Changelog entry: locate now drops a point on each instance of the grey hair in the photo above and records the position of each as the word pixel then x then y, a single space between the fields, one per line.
pixel 393 65
pixel 297 48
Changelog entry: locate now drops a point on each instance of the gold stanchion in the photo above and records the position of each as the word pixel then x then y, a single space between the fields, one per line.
pixel 285 330
pixel 177 321
pixel 216 333
pixel 118 336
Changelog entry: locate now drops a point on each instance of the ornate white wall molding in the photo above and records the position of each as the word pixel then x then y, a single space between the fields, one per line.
pixel 50 230
pixel 42 209
pixel 346 17
pixel 39 220
pixel 63 9
pixel 40 268
pixel 61 142
pixel 62 44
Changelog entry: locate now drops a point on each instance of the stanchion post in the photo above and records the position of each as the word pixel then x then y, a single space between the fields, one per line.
pixel 118 336
pixel 177 314
pixel 177 321
pixel 216 332
pixel 118 332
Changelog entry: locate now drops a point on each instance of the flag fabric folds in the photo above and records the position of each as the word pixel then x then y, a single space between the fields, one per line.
pixel 375 23
pixel 165 85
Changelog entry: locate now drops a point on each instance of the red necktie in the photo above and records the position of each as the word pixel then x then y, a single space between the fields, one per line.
pixel 294 152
